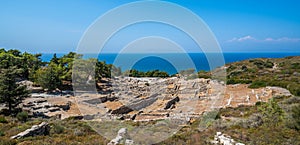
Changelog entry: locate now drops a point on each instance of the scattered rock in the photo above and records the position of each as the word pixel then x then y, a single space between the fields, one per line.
pixel 222 139
pixel 121 138
pixel 41 129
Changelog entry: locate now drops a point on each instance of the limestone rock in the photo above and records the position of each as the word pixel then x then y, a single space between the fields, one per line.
pixel 121 138
pixel 41 129
pixel 222 139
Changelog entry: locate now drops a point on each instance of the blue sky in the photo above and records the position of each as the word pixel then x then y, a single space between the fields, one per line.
pixel 48 26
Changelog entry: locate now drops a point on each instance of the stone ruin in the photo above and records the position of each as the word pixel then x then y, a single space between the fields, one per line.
pixel 40 107
pixel 149 99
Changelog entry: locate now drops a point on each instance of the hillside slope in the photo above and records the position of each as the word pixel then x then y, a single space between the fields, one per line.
pixel 282 72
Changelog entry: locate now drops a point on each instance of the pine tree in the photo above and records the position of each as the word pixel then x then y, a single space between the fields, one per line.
pixel 48 77
pixel 11 93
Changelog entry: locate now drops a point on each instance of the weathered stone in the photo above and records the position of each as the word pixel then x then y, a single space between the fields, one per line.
pixel 40 101
pixel 40 114
pixel 122 110
pixel 65 107
pixel 221 139
pixel 121 138
pixel 89 117
pixel 172 102
pixel 41 129
pixel 54 109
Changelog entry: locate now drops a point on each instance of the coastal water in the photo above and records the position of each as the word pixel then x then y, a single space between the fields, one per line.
pixel 153 62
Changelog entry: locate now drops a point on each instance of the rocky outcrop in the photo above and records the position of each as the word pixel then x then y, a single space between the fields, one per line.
pixel 221 139
pixel 121 138
pixel 41 129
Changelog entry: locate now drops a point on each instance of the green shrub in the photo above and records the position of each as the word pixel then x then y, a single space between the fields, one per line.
pixel 296 116
pixel 22 116
pixel 295 66
pixel 78 132
pixel 58 128
pixel 269 64
pixel 3 120
pixel 238 81
pixel 204 74
pixel 294 89
pixel 2 133
pixel 7 142
pixel 258 84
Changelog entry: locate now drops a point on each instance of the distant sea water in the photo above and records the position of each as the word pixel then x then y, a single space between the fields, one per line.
pixel 199 59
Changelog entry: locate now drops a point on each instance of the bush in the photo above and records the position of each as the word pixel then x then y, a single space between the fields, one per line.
pixel 3 120
pixel 294 89
pixel 258 84
pixel 78 132
pixel 296 116
pixel 238 81
pixel 7 142
pixel 22 116
pixel 2 133
pixel 58 128
pixel 269 64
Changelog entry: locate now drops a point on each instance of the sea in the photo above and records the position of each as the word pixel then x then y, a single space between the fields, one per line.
pixel 176 62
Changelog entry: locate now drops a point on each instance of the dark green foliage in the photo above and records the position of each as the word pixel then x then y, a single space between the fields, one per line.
pixel 258 84
pixel 2 133
pixel 103 70
pixel 272 112
pixel 244 68
pixel 238 81
pixel 259 63
pixel 204 74
pixel 294 89
pixel 54 59
pixel 30 64
pixel 269 64
pixel 27 63
pixel 262 64
pixel 295 66
pixel 155 73
pixel 261 73
pixel 65 65
pixel 48 77
pixel 3 120
pixel 57 128
pixel 11 93
pixel 22 116
pixel 296 116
